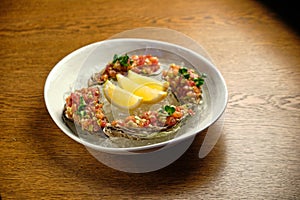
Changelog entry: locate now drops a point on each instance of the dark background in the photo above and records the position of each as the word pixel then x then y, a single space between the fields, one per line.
pixel 286 10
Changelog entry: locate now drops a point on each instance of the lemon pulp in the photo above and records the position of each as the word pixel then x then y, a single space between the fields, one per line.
pixel 149 95
pixel 148 81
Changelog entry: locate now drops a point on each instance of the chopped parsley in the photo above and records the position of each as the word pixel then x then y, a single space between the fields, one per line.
pixel 183 70
pixel 198 81
pixel 123 60
pixel 169 109
pixel 82 104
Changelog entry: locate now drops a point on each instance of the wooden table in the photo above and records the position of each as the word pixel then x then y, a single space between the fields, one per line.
pixel 258 155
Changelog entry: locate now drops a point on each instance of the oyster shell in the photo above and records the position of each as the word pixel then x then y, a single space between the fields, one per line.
pixel 150 132
pixel 77 129
pixel 141 133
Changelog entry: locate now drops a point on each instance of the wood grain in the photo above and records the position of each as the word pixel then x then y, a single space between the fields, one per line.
pixel 258 155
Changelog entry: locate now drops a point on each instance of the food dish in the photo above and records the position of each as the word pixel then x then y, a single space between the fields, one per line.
pixel 125 83
pixel 90 59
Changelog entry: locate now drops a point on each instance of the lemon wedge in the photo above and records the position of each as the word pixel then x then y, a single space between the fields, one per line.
pixel 148 94
pixel 120 97
pixel 148 81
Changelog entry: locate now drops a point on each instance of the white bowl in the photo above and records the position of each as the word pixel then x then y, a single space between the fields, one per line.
pixel 68 74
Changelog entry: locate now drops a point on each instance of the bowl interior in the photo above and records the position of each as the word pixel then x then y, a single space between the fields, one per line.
pixel 74 70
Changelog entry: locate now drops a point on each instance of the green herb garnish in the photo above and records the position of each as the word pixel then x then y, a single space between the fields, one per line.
pixel 123 60
pixel 183 70
pixel 169 109
pixel 186 76
pixel 80 110
pixel 200 80
pixel 115 59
